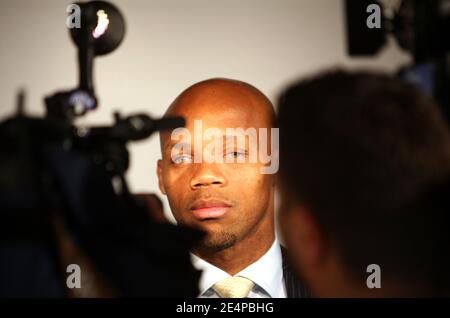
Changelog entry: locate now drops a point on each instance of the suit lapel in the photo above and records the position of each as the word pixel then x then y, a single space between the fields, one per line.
pixel 294 288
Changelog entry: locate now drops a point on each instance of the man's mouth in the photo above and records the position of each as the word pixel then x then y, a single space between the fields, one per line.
pixel 209 209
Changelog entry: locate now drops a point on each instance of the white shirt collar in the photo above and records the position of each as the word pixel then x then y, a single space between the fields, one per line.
pixel 266 272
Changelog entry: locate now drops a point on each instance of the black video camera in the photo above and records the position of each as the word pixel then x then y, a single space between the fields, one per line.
pixel 421 27
pixel 53 172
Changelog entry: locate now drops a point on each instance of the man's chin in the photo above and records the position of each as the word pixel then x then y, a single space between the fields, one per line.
pixel 218 241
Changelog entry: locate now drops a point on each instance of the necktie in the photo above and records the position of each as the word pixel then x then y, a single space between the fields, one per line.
pixel 233 287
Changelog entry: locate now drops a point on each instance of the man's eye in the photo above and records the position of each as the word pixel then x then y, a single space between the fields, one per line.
pixel 182 159
pixel 235 154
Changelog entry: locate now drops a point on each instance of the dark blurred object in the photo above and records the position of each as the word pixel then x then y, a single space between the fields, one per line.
pixel 362 40
pixel 154 205
pixel 421 27
pixel 366 169
pixel 64 198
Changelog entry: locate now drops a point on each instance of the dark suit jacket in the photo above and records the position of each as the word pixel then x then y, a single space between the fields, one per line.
pixel 294 288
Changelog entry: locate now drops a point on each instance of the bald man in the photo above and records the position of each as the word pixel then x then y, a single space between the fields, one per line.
pixel 217 184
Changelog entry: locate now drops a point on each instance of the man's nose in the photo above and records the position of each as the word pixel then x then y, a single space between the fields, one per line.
pixel 207 175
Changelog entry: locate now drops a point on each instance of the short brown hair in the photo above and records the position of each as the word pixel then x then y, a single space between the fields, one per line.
pixel 356 148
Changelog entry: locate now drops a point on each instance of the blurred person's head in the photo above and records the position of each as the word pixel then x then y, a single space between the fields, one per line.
pixel 357 153
pixel 231 202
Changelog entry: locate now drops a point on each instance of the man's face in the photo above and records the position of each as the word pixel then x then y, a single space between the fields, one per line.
pixel 228 201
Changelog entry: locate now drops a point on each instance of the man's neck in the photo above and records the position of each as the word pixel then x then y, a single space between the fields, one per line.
pixel 239 256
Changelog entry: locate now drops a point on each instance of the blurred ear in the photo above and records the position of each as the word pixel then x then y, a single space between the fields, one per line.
pixel 306 244
pixel 160 178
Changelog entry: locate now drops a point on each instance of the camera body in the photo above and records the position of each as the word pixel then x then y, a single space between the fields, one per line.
pixel 53 172
pixel 420 27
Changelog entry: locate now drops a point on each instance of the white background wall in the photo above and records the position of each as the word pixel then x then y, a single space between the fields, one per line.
pixel 169 45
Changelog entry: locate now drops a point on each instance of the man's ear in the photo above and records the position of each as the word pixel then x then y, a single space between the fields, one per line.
pixel 305 239
pixel 160 178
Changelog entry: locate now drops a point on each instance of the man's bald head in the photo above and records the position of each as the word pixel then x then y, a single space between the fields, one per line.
pixel 222 93
pixel 221 97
